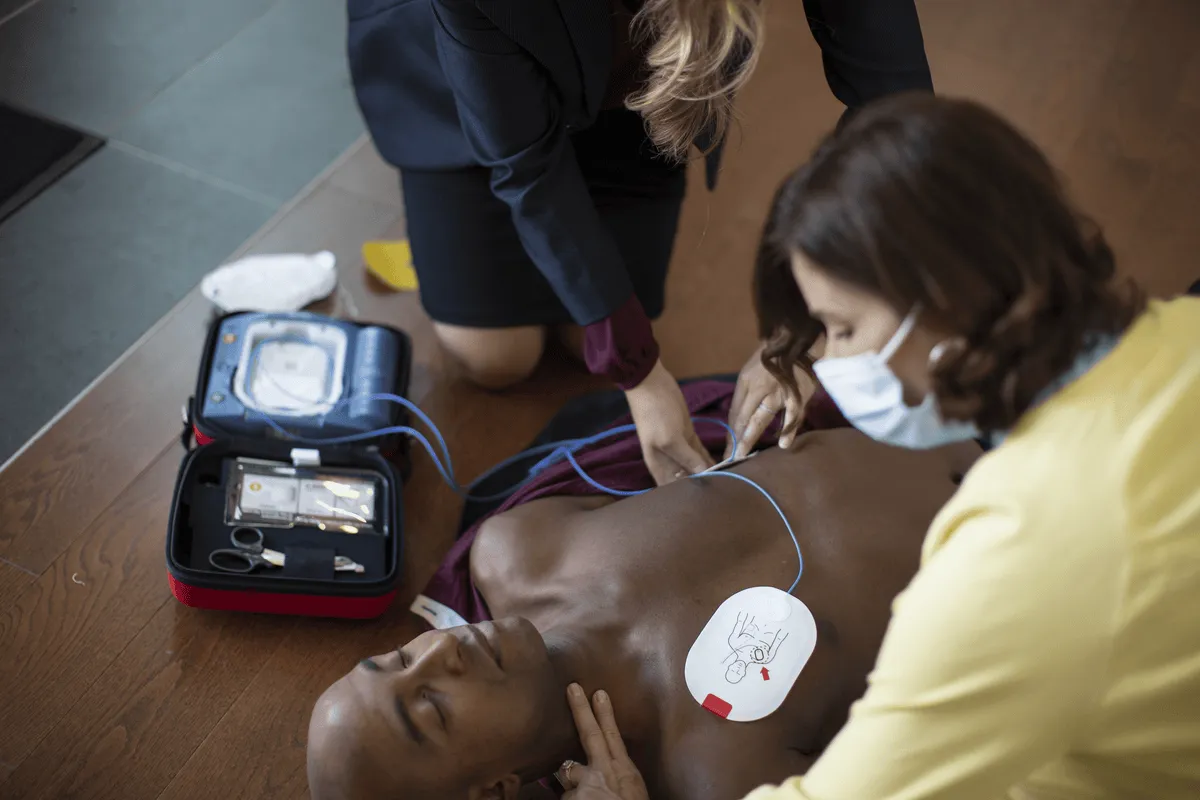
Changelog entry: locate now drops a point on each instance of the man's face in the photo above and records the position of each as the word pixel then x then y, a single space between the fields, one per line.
pixel 449 710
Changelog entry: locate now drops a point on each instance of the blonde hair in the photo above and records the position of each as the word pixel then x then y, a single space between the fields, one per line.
pixel 702 52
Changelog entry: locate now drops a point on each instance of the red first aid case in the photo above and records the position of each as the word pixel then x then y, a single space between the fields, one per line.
pixel 340 554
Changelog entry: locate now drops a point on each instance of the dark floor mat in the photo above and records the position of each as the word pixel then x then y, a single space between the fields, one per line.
pixel 34 153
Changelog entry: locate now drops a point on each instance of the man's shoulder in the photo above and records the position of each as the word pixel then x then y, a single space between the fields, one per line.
pixel 521 543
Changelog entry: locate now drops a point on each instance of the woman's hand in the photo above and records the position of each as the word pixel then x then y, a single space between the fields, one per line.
pixel 664 427
pixel 758 399
pixel 609 774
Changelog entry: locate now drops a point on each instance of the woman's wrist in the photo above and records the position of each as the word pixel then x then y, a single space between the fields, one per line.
pixel 648 385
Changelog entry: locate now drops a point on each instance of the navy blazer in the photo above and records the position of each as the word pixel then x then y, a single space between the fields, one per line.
pixel 447 84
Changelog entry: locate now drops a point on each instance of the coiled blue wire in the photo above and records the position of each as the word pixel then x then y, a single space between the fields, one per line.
pixel 556 451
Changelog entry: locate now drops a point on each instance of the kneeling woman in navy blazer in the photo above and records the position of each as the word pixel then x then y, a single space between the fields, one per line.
pixel 542 144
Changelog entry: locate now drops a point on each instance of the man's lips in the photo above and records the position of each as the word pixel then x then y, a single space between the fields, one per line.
pixel 483 641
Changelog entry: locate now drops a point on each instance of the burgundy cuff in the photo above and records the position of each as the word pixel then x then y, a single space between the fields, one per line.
pixel 622 345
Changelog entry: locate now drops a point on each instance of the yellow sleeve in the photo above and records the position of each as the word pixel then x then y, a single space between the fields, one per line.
pixel 993 660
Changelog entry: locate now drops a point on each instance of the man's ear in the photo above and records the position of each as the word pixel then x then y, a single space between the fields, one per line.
pixel 504 788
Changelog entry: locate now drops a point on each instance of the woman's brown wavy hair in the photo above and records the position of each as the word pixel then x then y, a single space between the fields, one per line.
pixel 939 202
pixel 701 53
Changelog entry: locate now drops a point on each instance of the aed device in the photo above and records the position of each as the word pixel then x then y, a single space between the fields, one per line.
pixel 287 480
pixel 300 367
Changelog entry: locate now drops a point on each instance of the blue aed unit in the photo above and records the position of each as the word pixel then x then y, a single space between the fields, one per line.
pixel 312 375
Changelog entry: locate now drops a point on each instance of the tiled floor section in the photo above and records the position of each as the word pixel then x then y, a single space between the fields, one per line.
pixel 112 690
pixel 217 113
pixel 95 64
pixel 115 242
pixel 266 112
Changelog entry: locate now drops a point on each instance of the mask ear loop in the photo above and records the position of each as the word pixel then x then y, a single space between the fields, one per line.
pixel 906 325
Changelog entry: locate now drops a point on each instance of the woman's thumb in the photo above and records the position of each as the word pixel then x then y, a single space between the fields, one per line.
pixel 584 779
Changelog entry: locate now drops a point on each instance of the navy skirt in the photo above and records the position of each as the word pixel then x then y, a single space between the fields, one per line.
pixel 472 268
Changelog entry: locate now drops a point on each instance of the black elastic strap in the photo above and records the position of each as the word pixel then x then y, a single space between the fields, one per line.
pixel 315 563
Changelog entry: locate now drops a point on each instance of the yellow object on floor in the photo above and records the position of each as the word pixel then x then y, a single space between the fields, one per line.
pixel 392 263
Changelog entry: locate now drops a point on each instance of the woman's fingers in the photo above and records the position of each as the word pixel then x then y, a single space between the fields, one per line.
pixel 609 772
pixel 590 736
pixel 602 706
pixel 662 469
pixel 741 414
pixel 573 775
pixel 793 413
pixel 677 460
pixel 690 455
pixel 760 420
pixel 589 784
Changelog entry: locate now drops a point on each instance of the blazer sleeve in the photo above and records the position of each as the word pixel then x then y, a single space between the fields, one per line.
pixel 513 121
pixel 869 48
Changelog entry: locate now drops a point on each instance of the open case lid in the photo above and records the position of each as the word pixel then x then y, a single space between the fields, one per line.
pixel 309 375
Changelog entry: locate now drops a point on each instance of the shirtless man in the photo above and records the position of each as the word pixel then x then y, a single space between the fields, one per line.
pixel 611 594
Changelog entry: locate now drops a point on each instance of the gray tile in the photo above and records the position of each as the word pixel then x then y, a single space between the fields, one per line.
pixel 268 111
pixel 94 262
pixel 366 173
pixel 93 63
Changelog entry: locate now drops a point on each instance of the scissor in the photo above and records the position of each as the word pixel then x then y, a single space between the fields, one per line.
pixel 248 554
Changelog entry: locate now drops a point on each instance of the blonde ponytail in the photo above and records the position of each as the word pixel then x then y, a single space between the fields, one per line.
pixel 702 52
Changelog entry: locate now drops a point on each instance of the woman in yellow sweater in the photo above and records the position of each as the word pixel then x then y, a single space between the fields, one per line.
pixel 1049 646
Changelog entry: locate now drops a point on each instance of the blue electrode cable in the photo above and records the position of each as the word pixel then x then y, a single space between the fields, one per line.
pixel 556 451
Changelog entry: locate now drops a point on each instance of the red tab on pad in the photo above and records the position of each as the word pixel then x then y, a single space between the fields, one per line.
pixel 717 706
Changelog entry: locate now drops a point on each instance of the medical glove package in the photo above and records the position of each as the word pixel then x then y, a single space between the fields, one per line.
pixel 289 498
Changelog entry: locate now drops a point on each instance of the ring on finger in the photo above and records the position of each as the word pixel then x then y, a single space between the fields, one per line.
pixel 564 774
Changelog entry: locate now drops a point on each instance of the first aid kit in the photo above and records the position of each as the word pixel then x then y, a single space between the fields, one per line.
pixel 286 501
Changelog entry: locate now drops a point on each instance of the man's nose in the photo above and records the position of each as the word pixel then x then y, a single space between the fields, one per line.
pixel 442 656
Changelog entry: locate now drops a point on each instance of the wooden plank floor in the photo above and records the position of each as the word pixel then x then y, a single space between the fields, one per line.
pixel 109 689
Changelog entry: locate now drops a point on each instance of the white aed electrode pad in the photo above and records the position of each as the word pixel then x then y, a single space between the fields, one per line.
pixel 745 661
pixel 291 367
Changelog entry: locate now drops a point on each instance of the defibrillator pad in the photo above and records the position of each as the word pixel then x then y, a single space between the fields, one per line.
pixel 745 661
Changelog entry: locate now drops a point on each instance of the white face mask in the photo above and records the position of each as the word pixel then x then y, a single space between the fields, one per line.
pixel 871 398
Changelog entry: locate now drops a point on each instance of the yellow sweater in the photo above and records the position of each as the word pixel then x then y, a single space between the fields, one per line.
pixel 1049 647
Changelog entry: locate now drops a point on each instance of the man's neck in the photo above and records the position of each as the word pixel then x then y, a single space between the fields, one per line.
pixel 558 738
pixel 594 660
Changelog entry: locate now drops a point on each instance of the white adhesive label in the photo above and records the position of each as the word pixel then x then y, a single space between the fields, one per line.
pixel 439 616
pixel 268 495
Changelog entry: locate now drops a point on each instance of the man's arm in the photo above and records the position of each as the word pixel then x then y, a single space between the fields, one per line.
pixel 989 669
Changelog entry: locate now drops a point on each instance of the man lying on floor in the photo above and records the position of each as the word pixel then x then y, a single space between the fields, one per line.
pixel 612 593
